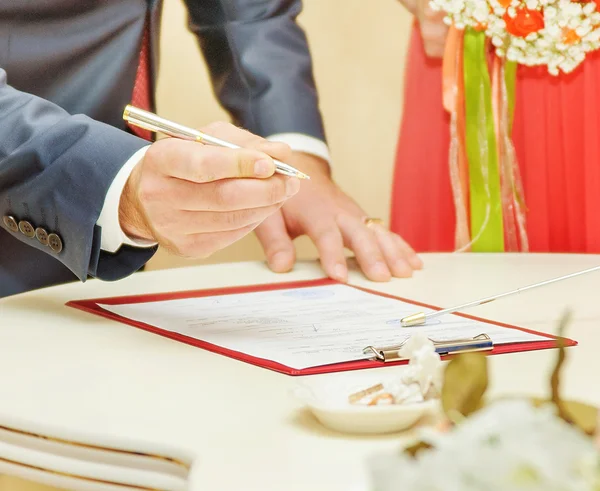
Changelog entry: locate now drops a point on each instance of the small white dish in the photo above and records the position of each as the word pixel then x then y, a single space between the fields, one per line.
pixel 327 398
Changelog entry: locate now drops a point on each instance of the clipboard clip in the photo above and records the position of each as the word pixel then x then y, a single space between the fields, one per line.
pixel 482 342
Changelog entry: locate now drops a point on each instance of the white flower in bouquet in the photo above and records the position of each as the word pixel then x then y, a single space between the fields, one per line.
pixel 509 445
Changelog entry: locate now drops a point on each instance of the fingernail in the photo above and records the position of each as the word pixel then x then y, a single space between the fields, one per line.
pixel 340 272
pixel 381 271
pixel 403 269
pixel 416 262
pixel 279 262
pixel 292 186
pixel 262 168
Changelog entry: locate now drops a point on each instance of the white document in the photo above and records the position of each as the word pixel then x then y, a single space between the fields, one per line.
pixel 304 327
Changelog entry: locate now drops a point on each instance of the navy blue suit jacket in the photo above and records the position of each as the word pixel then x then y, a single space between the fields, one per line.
pixel 67 70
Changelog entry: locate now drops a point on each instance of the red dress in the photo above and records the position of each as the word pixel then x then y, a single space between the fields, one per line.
pixel 556 135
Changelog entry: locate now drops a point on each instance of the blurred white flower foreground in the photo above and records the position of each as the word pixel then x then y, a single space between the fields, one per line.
pixel 508 445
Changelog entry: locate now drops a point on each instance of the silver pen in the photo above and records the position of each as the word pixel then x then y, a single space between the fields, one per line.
pixel 152 122
pixel 421 318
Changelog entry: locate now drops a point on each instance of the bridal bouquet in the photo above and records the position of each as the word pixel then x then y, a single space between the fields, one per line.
pixel 510 444
pixel 554 33
pixel 487 40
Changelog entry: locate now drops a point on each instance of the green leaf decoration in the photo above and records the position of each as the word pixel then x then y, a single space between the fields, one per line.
pixel 465 383
pixel 582 415
pixel 556 373
pixel 414 449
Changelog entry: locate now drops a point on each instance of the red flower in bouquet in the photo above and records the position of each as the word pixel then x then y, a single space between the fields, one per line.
pixel 597 2
pixel 524 22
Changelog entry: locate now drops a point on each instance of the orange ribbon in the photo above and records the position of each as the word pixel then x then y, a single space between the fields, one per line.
pixel 453 94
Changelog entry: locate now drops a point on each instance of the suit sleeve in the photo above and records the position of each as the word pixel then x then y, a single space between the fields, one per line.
pixel 55 171
pixel 260 64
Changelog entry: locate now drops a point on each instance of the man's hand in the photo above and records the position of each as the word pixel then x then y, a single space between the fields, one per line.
pixel 196 199
pixel 431 24
pixel 333 221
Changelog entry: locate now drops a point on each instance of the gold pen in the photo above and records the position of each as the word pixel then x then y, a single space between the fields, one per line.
pixel 152 122
pixel 421 318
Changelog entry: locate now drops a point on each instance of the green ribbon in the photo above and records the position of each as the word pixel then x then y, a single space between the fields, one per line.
pixel 480 141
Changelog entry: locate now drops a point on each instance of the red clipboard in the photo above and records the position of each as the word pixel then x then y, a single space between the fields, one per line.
pixel 91 306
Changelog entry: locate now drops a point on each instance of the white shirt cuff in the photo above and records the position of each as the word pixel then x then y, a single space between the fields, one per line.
pixel 113 236
pixel 304 143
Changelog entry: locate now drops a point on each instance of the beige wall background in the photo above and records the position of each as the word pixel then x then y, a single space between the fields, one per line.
pixel 358 49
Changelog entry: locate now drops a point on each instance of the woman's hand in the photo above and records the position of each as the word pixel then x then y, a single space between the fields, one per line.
pixel 431 24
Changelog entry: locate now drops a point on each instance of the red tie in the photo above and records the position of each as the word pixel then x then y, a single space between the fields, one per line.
pixel 141 96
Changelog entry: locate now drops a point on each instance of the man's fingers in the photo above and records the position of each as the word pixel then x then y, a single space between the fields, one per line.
pixel 196 199
pixel 243 138
pixel 277 243
pixel 226 195
pixel 241 194
pixel 204 244
pixel 231 133
pixel 394 255
pixel 409 253
pixel 330 244
pixel 277 150
pixel 192 161
pixel 363 242
pixel 185 222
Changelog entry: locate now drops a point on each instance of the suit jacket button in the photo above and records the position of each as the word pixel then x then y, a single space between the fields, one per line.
pixel 55 243
pixel 26 229
pixel 11 223
pixel 41 235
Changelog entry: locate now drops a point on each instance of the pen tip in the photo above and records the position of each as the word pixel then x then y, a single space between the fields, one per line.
pixel 302 175
pixel 417 319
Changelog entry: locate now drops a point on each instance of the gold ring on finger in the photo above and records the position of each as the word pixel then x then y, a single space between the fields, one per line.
pixel 369 222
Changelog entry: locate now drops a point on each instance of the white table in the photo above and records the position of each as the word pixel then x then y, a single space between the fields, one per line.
pixel 70 374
